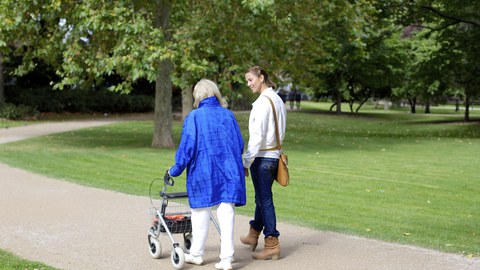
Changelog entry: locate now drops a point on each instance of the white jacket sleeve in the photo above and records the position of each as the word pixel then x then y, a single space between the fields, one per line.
pixel 257 126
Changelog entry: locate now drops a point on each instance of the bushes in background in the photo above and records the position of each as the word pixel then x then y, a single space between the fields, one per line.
pixel 44 99
pixel 14 112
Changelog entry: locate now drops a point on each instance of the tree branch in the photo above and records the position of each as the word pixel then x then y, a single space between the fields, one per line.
pixel 451 17
pixel 469 80
pixel 441 27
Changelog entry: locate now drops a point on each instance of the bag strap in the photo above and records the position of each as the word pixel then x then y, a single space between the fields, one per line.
pixel 279 146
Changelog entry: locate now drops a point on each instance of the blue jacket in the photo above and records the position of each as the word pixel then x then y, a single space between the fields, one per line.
pixel 211 149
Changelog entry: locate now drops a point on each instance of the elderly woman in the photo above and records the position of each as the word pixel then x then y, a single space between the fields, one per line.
pixel 211 149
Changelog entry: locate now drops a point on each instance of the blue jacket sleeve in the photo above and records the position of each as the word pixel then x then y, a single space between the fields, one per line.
pixel 239 135
pixel 186 149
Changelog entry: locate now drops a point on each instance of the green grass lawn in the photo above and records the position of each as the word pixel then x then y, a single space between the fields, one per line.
pixel 8 261
pixel 10 123
pixel 392 176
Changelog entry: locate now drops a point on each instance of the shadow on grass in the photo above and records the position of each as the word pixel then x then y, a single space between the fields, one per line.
pixel 450 122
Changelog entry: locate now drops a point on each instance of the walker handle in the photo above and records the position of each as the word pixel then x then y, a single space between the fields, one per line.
pixel 168 180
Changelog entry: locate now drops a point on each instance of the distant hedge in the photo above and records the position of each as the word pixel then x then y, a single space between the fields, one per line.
pixel 44 99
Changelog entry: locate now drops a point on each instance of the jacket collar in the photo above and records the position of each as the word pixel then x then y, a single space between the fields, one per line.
pixel 209 102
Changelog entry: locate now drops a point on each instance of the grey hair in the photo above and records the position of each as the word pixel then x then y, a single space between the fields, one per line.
pixel 206 88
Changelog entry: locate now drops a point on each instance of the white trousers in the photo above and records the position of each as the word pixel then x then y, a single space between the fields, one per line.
pixel 201 225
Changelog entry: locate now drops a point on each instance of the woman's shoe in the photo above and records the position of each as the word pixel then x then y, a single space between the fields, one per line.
pixel 224 265
pixel 271 249
pixel 251 239
pixel 197 260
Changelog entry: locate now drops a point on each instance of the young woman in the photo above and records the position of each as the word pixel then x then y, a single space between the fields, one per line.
pixel 211 149
pixel 262 158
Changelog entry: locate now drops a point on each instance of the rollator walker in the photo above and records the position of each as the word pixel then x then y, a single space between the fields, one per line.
pixel 173 216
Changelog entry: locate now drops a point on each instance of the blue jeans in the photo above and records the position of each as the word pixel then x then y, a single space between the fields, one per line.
pixel 264 171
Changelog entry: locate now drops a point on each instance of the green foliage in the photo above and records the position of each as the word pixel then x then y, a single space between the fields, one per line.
pixel 349 50
pixel 454 28
pixel 100 41
pixel 380 175
pixel 13 112
pixel 258 6
pixel 422 72
pixel 44 99
pixel 220 40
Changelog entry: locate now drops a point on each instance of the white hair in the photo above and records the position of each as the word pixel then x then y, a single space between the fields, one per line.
pixel 206 88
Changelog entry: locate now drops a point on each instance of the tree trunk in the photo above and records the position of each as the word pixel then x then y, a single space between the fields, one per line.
pixel 350 104
pixel 2 81
pixel 467 108
pixel 338 100
pixel 413 103
pixel 427 106
pixel 333 105
pixel 361 103
pixel 338 92
pixel 187 101
pixel 162 134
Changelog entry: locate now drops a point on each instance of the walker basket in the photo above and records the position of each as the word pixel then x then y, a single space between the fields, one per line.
pixel 177 224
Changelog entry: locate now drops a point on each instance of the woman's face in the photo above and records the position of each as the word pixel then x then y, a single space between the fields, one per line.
pixel 254 82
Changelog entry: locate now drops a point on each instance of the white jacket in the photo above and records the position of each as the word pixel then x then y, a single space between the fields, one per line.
pixel 261 127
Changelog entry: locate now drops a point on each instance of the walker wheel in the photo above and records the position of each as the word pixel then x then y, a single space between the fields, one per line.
pixel 187 241
pixel 178 257
pixel 155 247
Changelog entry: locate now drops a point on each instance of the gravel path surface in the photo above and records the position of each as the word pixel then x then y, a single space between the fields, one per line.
pixel 75 227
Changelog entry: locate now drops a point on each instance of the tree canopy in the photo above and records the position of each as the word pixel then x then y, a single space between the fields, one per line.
pixel 347 50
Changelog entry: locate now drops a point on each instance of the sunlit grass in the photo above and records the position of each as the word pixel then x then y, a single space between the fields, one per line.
pixel 4 123
pixel 391 176
pixel 12 262
pixel 369 107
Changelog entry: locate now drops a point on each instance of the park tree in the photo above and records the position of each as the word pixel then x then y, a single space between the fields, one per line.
pixel 376 74
pixel 158 41
pixel 457 31
pixel 130 39
pixel 460 58
pixel 420 77
pixel 329 40
pixel 87 41
pixel 219 40
pixel 429 69
pixel 346 49
pixel 301 42
pixel 22 31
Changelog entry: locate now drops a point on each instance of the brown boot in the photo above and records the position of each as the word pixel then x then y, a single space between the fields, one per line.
pixel 271 249
pixel 251 239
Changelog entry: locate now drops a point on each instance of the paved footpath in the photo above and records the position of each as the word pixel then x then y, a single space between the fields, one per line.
pixel 69 226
